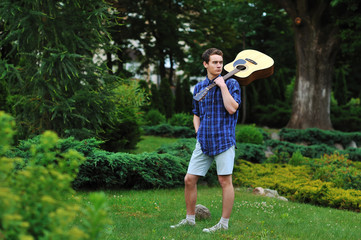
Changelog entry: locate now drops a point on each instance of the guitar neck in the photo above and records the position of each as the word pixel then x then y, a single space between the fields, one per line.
pixel 230 74
pixel 225 77
pixel 199 96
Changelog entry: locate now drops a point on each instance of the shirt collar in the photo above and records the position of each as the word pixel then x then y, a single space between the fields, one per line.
pixel 211 81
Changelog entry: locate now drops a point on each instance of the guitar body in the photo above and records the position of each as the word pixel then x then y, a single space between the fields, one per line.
pixel 252 64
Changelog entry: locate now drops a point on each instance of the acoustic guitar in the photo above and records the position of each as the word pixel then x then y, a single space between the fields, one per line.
pixel 248 66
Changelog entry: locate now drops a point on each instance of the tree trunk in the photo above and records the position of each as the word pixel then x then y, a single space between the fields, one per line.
pixel 316 43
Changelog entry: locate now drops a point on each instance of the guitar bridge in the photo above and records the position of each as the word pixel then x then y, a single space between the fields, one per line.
pixel 251 61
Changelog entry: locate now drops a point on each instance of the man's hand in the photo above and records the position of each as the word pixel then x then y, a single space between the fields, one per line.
pixel 220 82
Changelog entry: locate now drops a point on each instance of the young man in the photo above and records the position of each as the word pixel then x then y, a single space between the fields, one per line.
pixel 215 118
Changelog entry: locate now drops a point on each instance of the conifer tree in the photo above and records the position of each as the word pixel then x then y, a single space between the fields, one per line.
pixel 57 85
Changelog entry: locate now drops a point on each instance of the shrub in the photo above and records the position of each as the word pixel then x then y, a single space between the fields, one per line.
pixel 280 157
pixel 315 136
pixel 296 159
pixel 36 200
pixel 105 170
pixel 167 130
pixel 249 134
pixel 124 130
pixel 154 117
pixel 122 136
pixel 276 114
pixel 313 151
pixel 336 168
pixel 165 168
pixel 251 152
pixel 295 183
pixel 347 117
pixel 181 119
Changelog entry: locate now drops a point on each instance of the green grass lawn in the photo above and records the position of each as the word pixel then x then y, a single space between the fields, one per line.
pixel 148 214
pixel 151 143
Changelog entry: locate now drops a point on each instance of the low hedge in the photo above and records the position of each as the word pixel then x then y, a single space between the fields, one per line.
pixel 295 183
pixel 122 170
pixel 164 168
pixel 167 130
pixel 312 151
pixel 315 136
pixel 251 152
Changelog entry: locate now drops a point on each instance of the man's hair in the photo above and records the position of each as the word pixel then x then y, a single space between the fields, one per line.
pixel 209 52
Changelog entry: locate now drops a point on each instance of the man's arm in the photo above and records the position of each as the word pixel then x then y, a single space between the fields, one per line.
pixel 228 101
pixel 196 122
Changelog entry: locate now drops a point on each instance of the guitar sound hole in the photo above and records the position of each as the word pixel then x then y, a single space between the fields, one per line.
pixel 241 67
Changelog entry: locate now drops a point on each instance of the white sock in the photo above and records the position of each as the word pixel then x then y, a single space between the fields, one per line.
pixel 191 218
pixel 224 221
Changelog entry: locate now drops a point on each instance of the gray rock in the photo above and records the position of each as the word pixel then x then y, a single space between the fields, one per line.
pixel 202 212
pixel 338 146
pixel 282 198
pixel 258 191
pixel 352 144
pixel 275 136
pixel 270 193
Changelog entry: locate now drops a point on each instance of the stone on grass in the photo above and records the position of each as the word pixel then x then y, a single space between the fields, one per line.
pixel 268 193
pixel 202 212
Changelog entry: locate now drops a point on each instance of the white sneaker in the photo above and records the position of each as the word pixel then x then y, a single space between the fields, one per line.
pixel 216 227
pixel 184 222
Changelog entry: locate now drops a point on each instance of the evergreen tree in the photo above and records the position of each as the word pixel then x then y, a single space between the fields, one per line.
pixel 187 96
pixel 179 97
pixel 167 98
pixel 57 85
pixel 156 102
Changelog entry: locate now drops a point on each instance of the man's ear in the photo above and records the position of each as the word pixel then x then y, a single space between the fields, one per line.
pixel 205 64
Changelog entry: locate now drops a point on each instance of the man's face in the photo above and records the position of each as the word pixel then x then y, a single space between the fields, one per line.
pixel 215 65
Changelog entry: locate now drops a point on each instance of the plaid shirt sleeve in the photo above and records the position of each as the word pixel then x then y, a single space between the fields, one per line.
pixel 235 91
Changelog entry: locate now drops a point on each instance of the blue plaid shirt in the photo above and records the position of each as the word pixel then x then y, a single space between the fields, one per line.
pixel 217 131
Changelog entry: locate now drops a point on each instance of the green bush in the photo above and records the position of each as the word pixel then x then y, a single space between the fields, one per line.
pixel 249 134
pixel 124 131
pixel 165 168
pixel 106 170
pixel 296 159
pixel 154 117
pixel 346 118
pixel 296 183
pixel 275 115
pixel 313 151
pixel 181 119
pixel 279 157
pixel 336 168
pixel 167 130
pixel 251 152
pixel 121 136
pixel 36 200
pixel 314 136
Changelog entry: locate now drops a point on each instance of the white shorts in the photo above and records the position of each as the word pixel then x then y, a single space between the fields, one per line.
pixel 200 162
